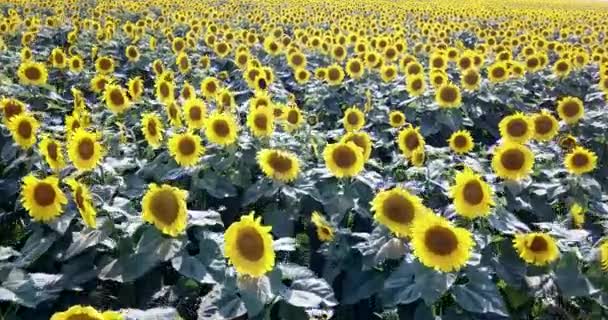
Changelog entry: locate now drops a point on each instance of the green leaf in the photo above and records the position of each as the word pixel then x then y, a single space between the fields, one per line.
pixel 204 218
pixel 262 188
pixel 479 294
pixel 359 285
pixel 152 314
pixel 220 304
pixel 569 278
pixel 193 268
pixel 82 241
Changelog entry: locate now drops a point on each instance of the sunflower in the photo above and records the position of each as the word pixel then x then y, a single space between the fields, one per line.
pixel 355 68
pixel 104 65
pixel 183 62
pixel 388 73
pixel 321 73
pixel 261 121
pixel 84 150
pixel 325 232
pixel 335 75
pixel 570 109
pixel 396 119
pixel 165 207
pixel 562 68
pixel 440 245
pixel 296 60
pixel 397 209
pixel 186 148
pixel 410 139
pixel 604 255
pixel 221 128
pixel 567 142
pixel 23 128
pixel 152 128
pixel 165 91
pixel 53 153
pixel 517 128
pixel 415 85
pixel 498 72
pixel 99 82
pixel 343 159
pixel 76 64
pixel 11 107
pixel 79 312
pixel 470 79
pixel 84 202
pixel 578 214
pixel 293 118
pixel 536 248
pixel 448 96
pixel 135 88
pixel 132 53
pixel 249 246
pixel 580 160
pixel 174 114
pixel 32 73
pixel 353 119
pixel 362 140
pixel 461 141
pixel 188 91
pixel 279 165
pixel 418 157
pixel 301 75
pixel 42 198
pixel 472 196
pixel 157 67
pixel 512 161
pixel 195 111
pixel 545 125
pixel 209 87
pixel 116 98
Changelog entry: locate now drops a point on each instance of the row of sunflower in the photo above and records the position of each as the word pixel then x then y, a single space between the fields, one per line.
pixel 447 139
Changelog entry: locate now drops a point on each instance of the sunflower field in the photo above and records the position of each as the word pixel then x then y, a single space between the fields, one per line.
pixel 295 160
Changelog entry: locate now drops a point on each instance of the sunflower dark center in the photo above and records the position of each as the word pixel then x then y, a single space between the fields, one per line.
pixel 413 69
pixel 440 240
pixel 52 150
pixel 464 63
pixel 33 73
pixel 262 83
pixel 538 244
pixel 562 66
pixel 211 87
pixel 12 109
pixel 397 118
pixel 105 64
pixel 261 121
pixel 417 84
pixel 438 63
pixel 513 159
pixel 132 52
pixel 448 94
pixel 352 118
pixel 543 124
pixel 580 160
pixel 164 90
pixel 151 128
pixel 165 206
pixel 460 141
pixel 355 67
pixel 411 141
pixel 221 128
pixel 399 209
pixel 250 244
pixel 279 162
pixel 472 192
pixel 25 129
pixel 498 73
pixel 117 97
pixel 195 113
pixel 344 157
pixel 79 198
pixel 571 108
pixel 44 194
pixel 333 74
pixel 293 117
pixel 86 148
pixel 297 60
pixel 517 127
pixel 186 146
pixel 471 78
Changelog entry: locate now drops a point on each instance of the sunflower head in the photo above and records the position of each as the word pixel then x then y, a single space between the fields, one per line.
pixel 58 59
pixel 116 98
pixel 23 128
pixel 409 140
pixel 165 91
pixel 325 232
pixel 249 246
pixel 578 214
pixel 580 160
pixel 516 128
pixel 84 202
pixel 388 73
pixel 209 87
pixel 472 196
pixel 362 140
pixel 536 248
pixel 132 53
pixel 165 207
pixel 53 153
pixel 570 109
pixel 224 100
pixel 470 79
pixel 152 129
pixel 512 161
pixel 76 64
pixel 174 113
pixel 355 68
pixel 498 72
pixel 448 96
pixel 11 107
pixel 344 159
pixel 279 165
pixel 562 68
pixel 396 119
pixel 334 75
pixel 42 198
pixel 293 118
pixel 260 121
pixel 136 88
pixel 32 73
pixel 221 128
pixel 353 119
pixel 84 150
pixel 440 245
pixel 397 209
pixel 195 111
pixel 186 148
pixel 461 141
pixel 545 126
pixel 79 312
pixel 104 65
pixel 604 255
pixel 99 82
pixel 415 85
